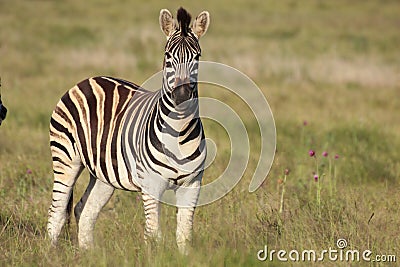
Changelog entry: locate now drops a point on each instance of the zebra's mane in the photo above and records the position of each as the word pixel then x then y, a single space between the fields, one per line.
pixel 183 18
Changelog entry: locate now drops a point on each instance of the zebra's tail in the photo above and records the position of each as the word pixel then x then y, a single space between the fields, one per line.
pixel 69 208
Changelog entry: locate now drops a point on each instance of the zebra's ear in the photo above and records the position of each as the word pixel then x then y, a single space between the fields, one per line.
pixel 201 23
pixel 166 22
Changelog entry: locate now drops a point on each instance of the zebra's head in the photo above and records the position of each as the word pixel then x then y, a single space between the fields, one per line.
pixel 3 111
pixel 182 53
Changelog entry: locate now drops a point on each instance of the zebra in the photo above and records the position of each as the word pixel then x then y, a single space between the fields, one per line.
pixel 3 109
pixel 133 139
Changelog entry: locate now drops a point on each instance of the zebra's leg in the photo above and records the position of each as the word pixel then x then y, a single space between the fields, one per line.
pixel 186 200
pixel 65 175
pixel 81 204
pixel 152 215
pixel 97 194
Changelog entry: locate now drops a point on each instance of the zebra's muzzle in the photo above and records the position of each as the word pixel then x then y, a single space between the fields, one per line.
pixel 182 91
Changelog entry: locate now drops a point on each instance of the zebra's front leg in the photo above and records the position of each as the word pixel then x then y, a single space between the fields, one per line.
pixel 151 207
pixel 186 198
pixel 87 210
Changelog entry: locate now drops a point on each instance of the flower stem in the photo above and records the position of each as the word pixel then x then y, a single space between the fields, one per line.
pixel 318 186
pixel 330 178
pixel 282 194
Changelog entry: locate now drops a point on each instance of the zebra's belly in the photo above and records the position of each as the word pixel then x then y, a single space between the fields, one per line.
pixel 116 174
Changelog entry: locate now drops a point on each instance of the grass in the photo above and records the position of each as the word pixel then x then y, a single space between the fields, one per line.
pixel 334 64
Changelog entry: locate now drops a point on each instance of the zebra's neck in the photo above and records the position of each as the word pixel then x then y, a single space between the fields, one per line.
pixel 176 126
pixel 177 117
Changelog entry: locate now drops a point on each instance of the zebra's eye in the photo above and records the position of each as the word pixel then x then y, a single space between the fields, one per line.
pixel 197 57
pixel 168 55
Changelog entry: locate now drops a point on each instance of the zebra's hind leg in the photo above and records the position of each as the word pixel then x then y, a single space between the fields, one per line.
pixel 65 175
pixel 97 194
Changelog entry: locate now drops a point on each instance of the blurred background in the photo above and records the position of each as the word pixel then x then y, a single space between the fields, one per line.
pixel 329 70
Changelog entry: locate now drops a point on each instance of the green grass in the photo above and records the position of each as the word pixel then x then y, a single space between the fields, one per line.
pixel 334 64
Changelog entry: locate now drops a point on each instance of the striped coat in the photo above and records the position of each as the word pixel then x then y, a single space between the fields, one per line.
pixel 132 139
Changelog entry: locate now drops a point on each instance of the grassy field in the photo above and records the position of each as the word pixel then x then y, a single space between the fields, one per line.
pixel 330 71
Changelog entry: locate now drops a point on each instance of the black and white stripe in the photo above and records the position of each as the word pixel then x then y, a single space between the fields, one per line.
pixel 132 139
